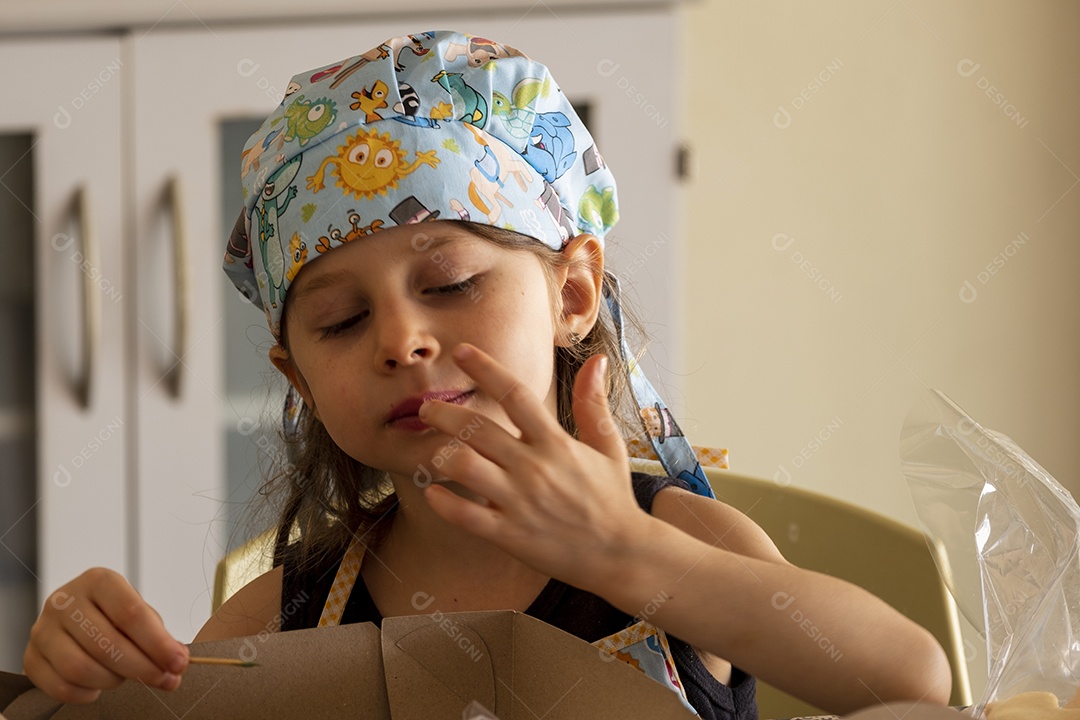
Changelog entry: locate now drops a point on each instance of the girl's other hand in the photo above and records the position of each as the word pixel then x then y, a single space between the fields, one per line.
pixel 563 506
pixel 93 633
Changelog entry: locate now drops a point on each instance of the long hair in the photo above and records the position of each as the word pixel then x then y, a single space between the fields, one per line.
pixel 327 498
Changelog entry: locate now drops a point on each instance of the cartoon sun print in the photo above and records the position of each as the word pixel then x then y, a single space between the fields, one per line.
pixel 369 164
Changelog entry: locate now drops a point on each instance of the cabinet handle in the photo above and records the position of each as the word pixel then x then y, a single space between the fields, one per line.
pixel 91 311
pixel 174 198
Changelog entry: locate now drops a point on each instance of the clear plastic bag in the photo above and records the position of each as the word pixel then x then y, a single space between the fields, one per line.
pixel 1009 537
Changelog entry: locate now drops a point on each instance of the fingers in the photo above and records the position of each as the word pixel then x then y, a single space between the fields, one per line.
pixel 142 634
pixel 481 521
pixel 522 406
pixel 76 678
pixel 596 424
pixel 96 631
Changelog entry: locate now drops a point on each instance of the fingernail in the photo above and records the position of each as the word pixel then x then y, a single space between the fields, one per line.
pixel 423 411
pixel 171 682
pixel 463 352
pixel 179 662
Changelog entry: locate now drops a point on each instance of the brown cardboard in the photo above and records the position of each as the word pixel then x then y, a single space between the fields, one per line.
pixel 424 667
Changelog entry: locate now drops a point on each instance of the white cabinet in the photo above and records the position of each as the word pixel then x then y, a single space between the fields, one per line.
pixel 65 441
pixel 155 499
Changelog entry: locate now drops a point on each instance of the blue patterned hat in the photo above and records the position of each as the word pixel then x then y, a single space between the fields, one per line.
pixel 437 125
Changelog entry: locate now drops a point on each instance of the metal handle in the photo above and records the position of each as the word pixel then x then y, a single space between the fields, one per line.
pixel 174 199
pixel 91 310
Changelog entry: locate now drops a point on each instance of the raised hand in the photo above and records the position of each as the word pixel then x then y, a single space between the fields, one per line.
pixel 563 506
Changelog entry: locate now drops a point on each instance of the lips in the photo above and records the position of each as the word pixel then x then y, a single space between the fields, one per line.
pixel 410 407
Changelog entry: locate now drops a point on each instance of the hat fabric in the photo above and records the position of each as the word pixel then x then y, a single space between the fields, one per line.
pixel 437 125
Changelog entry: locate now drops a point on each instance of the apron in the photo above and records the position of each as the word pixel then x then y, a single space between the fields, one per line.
pixel 641 645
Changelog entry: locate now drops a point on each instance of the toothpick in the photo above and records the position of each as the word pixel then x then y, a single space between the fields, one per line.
pixel 222 661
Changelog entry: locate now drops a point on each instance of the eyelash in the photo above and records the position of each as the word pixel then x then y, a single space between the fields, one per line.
pixel 446 290
pixel 456 287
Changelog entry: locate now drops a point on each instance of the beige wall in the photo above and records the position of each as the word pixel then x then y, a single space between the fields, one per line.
pixel 851 174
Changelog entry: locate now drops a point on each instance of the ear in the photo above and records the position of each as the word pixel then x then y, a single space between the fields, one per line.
pixel 279 356
pixel 581 286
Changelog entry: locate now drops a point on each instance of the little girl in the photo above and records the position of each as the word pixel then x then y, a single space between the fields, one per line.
pixel 460 444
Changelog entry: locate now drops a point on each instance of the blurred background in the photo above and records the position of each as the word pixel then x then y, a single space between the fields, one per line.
pixel 827 208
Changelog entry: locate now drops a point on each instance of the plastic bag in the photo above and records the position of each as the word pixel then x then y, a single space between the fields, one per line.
pixel 1009 534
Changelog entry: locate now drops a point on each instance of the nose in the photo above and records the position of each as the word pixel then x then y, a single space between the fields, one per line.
pixel 404 337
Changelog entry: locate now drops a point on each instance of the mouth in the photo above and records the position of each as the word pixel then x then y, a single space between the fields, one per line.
pixel 405 414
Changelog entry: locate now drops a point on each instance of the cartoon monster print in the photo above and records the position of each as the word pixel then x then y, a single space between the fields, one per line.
pixel 459 208
pixel 357 231
pixel 370 100
pixel 699 484
pixel 549 201
pixel 489 174
pixel 473 106
pixel 249 159
pixel 480 51
pixel 325 73
pixel 592 160
pixel 239 245
pixel 274 200
pixel 369 164
pixel 408 108
pixel 305 120
pixel 379 53
pixel 551 148
pixel 516 112
pixel 298 254
pixel 597 210
pixel 411 211
pixel 659 423
pixel 415 43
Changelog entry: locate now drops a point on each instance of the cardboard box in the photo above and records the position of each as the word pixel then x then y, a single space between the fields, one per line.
pixel 422 667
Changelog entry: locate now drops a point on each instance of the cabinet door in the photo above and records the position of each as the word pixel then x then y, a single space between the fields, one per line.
pixel 195 92
pixel 64 424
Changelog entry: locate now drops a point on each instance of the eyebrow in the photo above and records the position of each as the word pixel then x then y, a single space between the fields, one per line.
pixel 330 278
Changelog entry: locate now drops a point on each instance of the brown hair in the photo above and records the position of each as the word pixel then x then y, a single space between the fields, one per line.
pixel 330 498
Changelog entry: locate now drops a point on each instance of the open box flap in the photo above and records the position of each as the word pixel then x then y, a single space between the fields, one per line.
pixel 418 668
pixel 517 666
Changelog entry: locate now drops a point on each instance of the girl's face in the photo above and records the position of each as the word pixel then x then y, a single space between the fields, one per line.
pixel 373 323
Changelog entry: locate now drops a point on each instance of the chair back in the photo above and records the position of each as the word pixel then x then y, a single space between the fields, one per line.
pixel 817 532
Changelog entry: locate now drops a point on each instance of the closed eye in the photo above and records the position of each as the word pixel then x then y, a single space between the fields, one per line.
pixel 456 288
pixel 338 328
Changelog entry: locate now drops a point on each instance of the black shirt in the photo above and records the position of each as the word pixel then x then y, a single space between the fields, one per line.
pixel 575 611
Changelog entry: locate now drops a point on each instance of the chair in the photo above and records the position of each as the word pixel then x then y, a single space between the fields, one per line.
pixel 242 565
pixel 820 533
